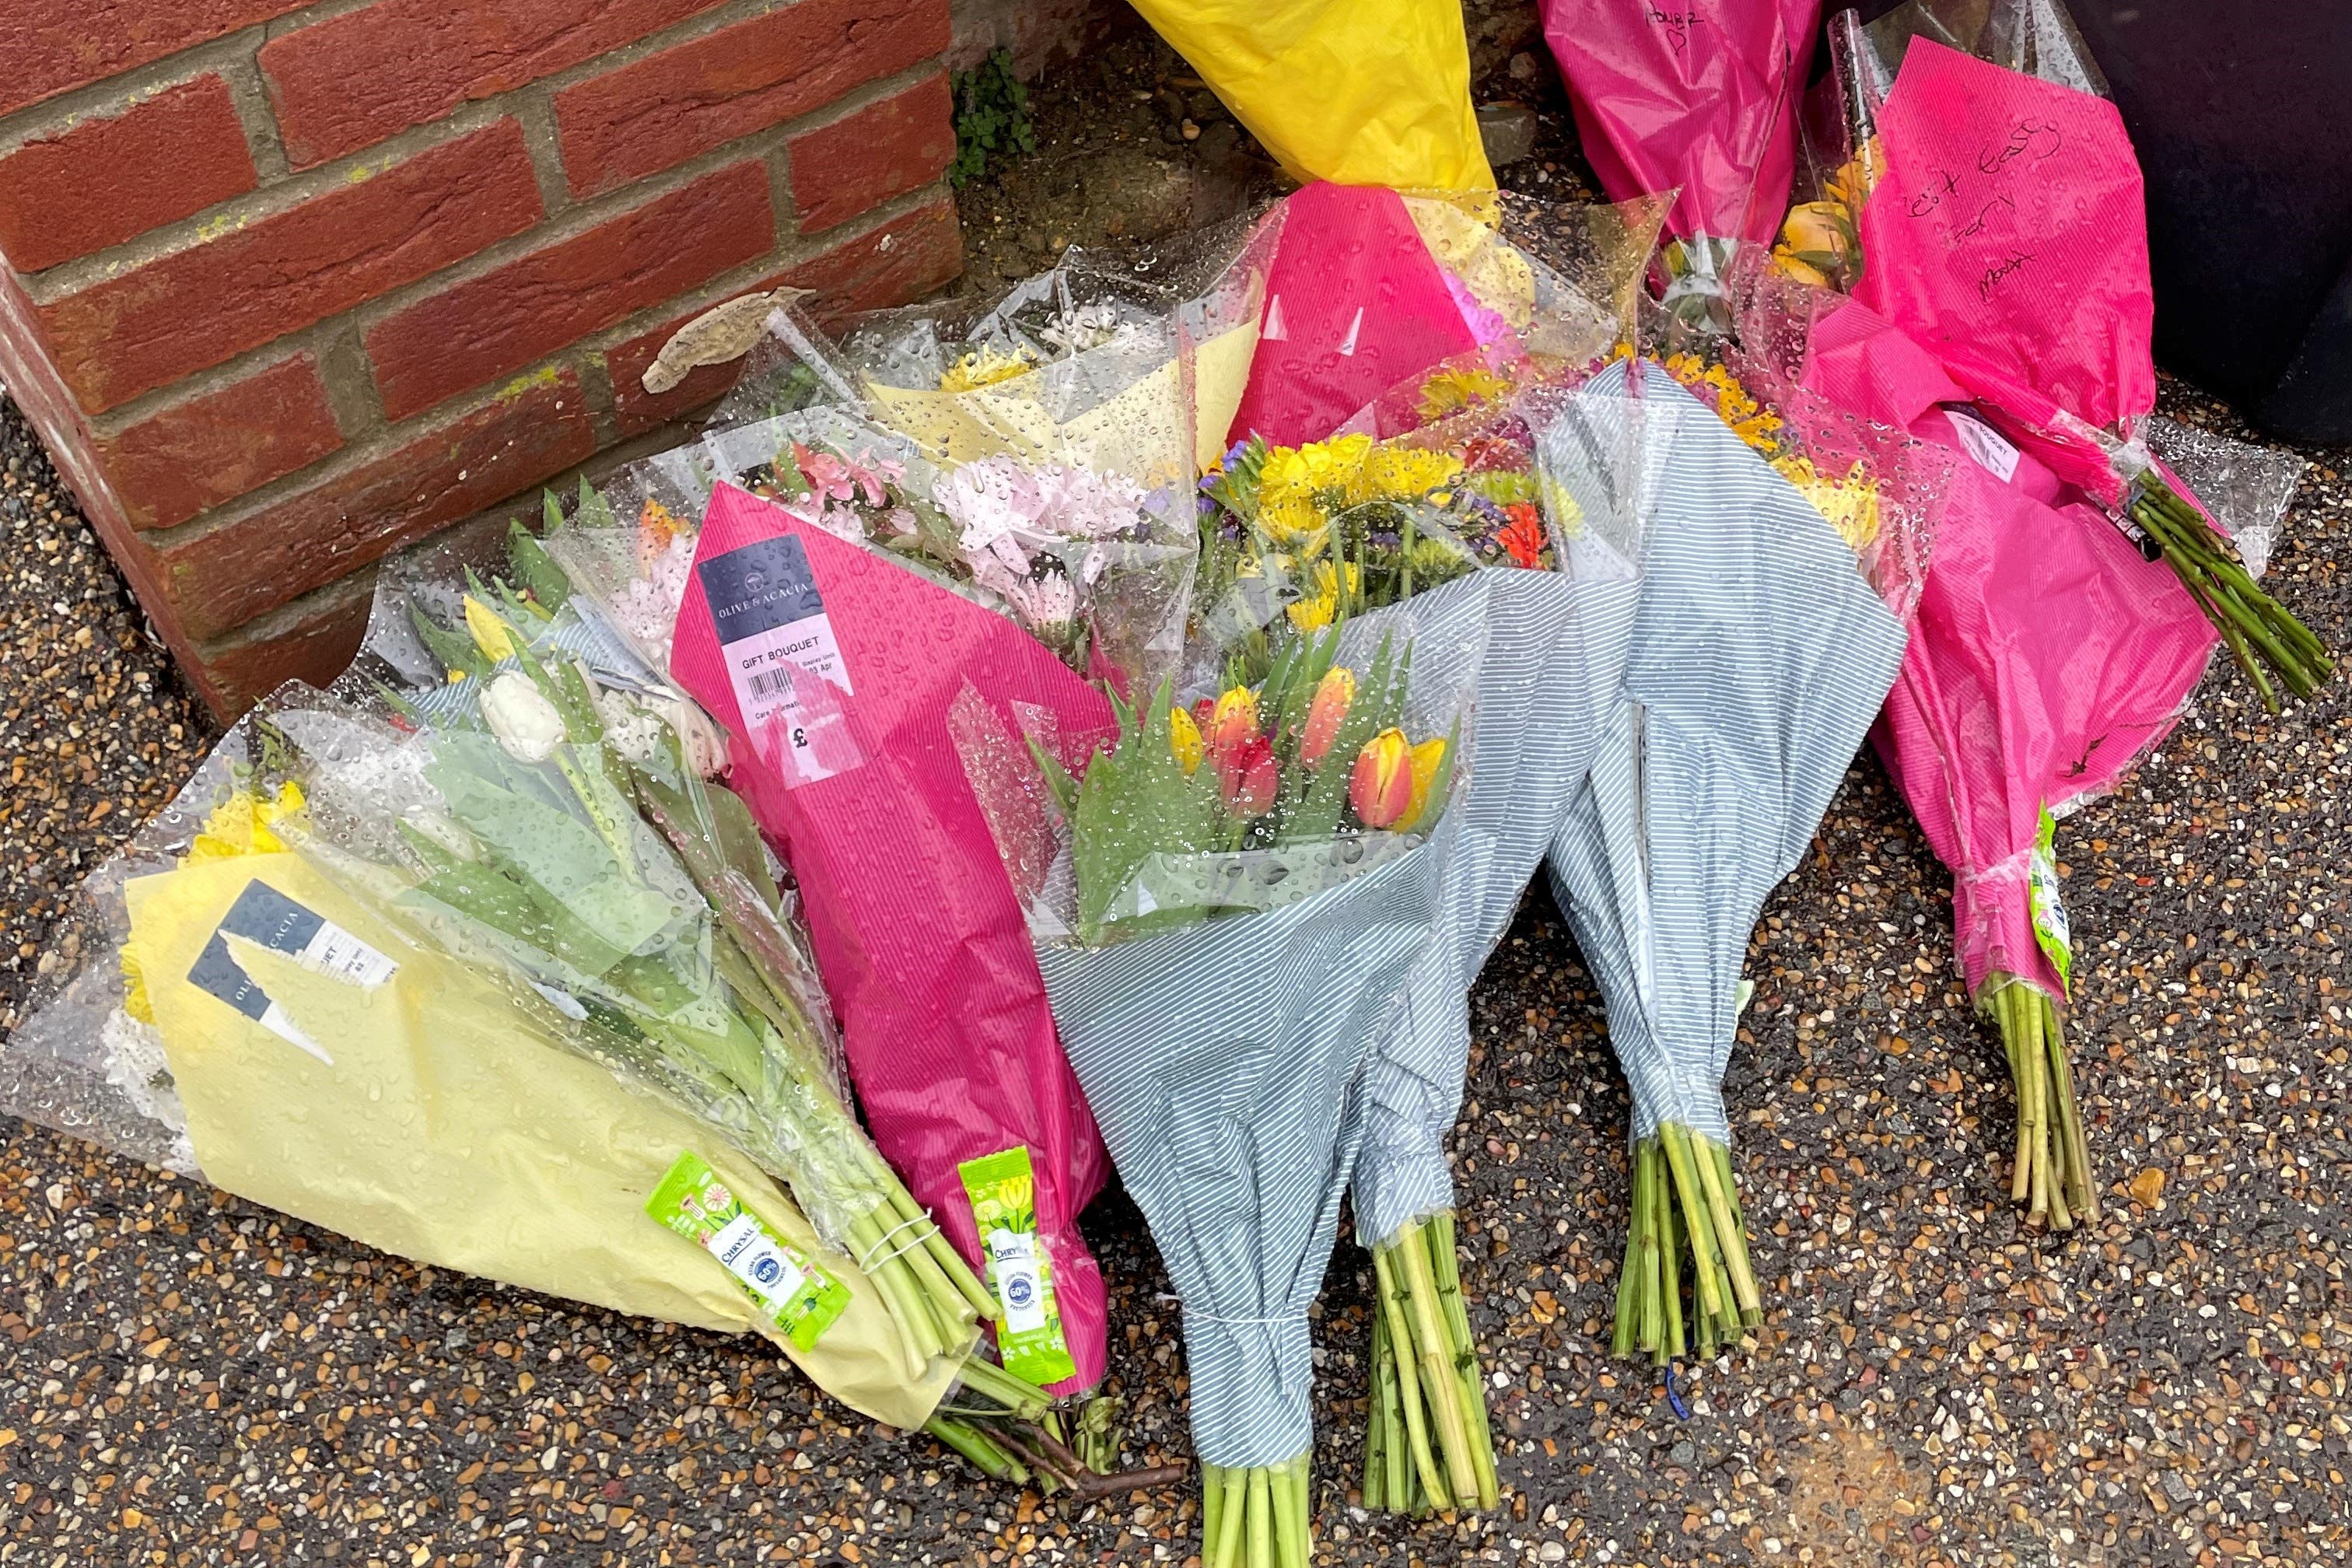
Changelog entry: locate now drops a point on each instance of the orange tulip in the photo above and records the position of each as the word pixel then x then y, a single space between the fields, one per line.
pixel 1380 786
pixel 1333 695
pixel 1233 720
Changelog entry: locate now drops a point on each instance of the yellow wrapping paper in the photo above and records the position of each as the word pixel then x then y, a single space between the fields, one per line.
pixel 1140 432
pixel 1358 93
pixel 453 1129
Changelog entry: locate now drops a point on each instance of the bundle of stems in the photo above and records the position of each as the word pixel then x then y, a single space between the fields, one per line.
pixel 932 1294
pixel 556 847
pixel 1686 1215
pixel 2257 630
pixel 1255 1518
pixel 2052 1176
pixel 1426 1442
pixel 1013 1431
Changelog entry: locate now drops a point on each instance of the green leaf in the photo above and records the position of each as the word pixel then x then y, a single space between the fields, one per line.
pixel 593 510
pixel 551 513
pixel 541 578
pixel 455 650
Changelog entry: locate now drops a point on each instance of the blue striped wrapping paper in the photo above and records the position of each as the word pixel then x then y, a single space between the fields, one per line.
pixel 1226 1064
pixel 1759 655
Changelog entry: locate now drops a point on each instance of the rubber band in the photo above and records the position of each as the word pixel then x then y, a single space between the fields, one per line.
pixel 1246 1322
pixel 1673 1394
pixel 874 1255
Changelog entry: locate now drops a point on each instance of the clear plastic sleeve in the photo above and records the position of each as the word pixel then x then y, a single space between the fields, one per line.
pixel 236 1012
pixel 1223 1047
pixel 1132 372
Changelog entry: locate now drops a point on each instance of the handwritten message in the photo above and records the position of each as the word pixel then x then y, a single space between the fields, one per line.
pixel 2008 233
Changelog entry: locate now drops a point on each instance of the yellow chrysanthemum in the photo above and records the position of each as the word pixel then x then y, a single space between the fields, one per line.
pixel 1294 520
pixel 1748 419
pixel 1849 504
pixel 1403 473
pixel 1451 391
pixel 986 367
pixel 241 825
pixel 1317 611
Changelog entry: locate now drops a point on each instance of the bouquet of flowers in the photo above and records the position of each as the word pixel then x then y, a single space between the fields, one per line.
pixel 831 664
pixel 560 832
pixel 1129 372
pixel 2027 275
pixel 1758 656
pixel 241 1016
pixel 1431 482
pixel 1225 903
pixel 2048 655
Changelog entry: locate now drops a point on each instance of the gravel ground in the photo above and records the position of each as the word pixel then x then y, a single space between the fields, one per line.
pixel 192 1379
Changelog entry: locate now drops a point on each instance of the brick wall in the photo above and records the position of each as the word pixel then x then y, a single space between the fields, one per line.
pixel 289 286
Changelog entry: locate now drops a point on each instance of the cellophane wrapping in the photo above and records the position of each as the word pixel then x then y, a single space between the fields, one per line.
pixel 1225 1031
pixel 1133 372
pixel 1759 654
pixel 842 751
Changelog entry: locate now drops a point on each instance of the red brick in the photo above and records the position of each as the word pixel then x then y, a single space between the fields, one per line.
pixel 214 449
pixel 243 569
pixel 900 260
pixel 353 79
pixel 890 147
pixel 315 646
pixel 213 300
pixel 666 107
pixel 520 312
pixel 903 259
pixel 101 182
pixel 49 47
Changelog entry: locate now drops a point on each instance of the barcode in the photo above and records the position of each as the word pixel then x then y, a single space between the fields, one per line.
pixel 777 682
pixel 338 954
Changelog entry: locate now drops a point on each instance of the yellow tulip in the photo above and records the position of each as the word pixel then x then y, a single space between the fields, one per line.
pixel 1184 741
pixel 1424 761
pixel 490 633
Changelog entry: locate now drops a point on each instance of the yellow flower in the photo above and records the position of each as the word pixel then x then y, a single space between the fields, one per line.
pixel 490 634
pixel 1816 226
pixel 1426 757
pixel 985 367
pixel 1849 504
pixel 1403 473
pixel 1451 391
pixel 242 825
pixel 1789 265
pixel 1293 519
pixel 1318 609
pixel 1184 741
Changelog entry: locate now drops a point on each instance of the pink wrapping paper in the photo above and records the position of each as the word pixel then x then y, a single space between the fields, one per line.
pixel 2008 235
pixel 2046 658
pixel 1696 94
pixel 921 945
pixel 1354 305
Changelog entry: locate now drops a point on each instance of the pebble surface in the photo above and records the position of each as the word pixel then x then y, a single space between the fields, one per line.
pixel 186 1378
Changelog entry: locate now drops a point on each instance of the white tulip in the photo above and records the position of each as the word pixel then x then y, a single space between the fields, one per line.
pixel 525 722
